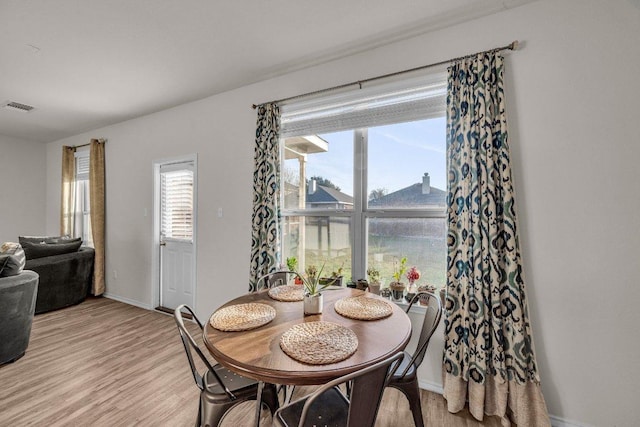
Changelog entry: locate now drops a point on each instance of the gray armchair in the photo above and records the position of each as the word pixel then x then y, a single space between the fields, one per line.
pixel 17 305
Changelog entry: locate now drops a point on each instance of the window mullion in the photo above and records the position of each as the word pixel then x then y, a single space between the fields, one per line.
pixel 359 234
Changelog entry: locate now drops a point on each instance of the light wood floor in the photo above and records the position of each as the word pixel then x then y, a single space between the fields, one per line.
pixel 105 363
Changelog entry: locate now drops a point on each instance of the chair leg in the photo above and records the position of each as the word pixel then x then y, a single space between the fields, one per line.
pixel 270 397
pixel 259 402
pixel 211 413
pixel 412 393
pixel 288 394
pixel 199 417
pixel 349 385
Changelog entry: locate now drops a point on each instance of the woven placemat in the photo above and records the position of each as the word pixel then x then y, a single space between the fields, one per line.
pixel 363 308
pixel 242 317
pixel 319 343
pixel 287 293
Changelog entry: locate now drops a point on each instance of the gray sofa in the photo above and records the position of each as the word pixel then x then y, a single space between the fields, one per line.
pixel 17 305
pixel 65 269
pixel 65 279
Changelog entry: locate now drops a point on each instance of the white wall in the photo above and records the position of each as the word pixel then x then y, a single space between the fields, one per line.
pixel 22 188
pixel 572 97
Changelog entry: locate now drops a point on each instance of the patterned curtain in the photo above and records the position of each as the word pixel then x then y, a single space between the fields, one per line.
pixel 67 191
pixel 265 233
pixel 489 355
pixel 97 209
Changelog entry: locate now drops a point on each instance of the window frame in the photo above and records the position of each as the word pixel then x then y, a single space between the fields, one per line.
pixel 361 212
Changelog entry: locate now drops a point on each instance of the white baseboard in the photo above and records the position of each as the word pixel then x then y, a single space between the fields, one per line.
pixel 562 422
pixel 429 386
pixel 127 301
pixel 555 421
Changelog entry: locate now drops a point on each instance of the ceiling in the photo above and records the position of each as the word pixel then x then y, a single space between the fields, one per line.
pixel 84 64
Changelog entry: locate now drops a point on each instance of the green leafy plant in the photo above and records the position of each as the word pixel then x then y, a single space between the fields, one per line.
pixel 292 263
pixel 374 275
pixel 311 280
pixel 399 268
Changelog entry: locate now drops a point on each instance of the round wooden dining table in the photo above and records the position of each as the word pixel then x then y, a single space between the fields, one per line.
pixel 256 353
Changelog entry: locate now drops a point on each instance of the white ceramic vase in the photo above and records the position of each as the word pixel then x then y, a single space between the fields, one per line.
pixel 312 304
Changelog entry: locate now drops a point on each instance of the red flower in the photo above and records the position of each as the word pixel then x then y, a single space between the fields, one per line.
pixel 413 274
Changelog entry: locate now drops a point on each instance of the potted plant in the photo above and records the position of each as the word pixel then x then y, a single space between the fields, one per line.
pixel 397 287
pixel 412 275
pixel 374 280
pixel 424 299
pixel 335 279
pixel 292 265
pixel 313 288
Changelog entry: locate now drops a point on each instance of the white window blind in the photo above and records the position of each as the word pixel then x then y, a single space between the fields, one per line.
pixel 177 201
pixel 82 165
pixel 396 102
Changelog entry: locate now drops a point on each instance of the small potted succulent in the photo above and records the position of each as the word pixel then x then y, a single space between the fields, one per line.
pixel 374 280
pixel 397 287
pixel 424 299
pixel 335 279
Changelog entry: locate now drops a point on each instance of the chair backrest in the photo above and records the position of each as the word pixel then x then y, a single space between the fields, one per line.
pixel 190 345
pixel 276 278
pixel 432 315
pixel 366 396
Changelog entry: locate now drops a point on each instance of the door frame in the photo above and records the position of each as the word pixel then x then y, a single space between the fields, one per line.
pixel 155 240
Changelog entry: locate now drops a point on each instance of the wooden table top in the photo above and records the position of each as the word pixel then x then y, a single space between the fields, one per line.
pixel 257 354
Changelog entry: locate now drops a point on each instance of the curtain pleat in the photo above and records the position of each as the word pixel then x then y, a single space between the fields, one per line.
pixel 67 192
pixel 489 354
pixel 265 230
pixel 97 201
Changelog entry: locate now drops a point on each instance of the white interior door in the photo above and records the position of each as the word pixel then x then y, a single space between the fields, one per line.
pixel 177 255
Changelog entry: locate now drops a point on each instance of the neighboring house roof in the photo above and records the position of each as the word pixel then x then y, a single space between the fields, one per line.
pixel 412 196
pixel 328 195
pixel 322 196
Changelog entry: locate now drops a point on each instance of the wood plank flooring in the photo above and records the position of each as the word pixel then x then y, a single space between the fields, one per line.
pixel 105 363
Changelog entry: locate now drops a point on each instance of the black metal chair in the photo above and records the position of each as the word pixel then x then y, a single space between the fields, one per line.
pixel 405 378
pixel 277 278
pixel 328 406
pixel 221 389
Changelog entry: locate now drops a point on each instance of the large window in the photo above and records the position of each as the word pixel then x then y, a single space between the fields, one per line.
pixel 82 208
pixel 363 179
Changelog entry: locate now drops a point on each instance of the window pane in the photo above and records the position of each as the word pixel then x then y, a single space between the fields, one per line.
pixel 318 171
pixel 406 165
pixel 421 240
pixel 177 204
pixel 82 217
pixel 314 240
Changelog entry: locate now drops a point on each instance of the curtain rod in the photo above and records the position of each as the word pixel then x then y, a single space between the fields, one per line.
pixel 87 144
pixel 511 46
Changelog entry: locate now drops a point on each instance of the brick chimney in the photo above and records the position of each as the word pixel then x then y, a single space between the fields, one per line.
pixel 426 183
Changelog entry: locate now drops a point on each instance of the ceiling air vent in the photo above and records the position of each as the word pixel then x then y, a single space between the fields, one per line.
pixel 16 106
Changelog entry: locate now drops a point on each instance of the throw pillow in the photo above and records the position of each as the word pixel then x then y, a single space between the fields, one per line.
pixel 47 239
pixel 41 250
pixel 12 259
pixel 4 260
